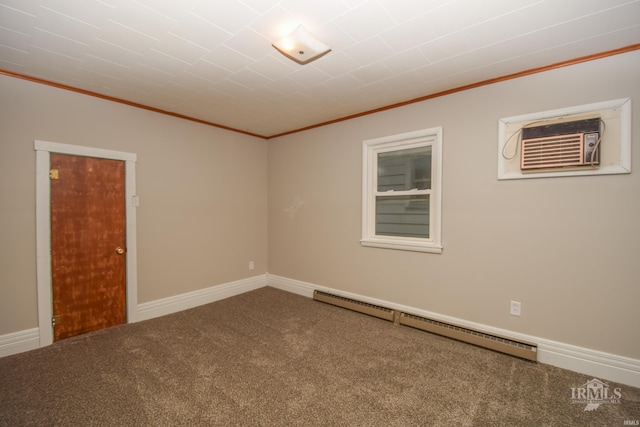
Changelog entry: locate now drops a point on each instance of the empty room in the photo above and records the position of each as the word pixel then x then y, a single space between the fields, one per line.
pixel 344 212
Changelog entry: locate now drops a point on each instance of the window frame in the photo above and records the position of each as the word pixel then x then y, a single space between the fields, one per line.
pixel 404 141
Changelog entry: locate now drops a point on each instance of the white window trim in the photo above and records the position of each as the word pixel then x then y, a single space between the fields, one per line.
pixel 370 149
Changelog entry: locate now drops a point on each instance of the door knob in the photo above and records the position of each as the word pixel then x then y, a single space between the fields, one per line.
pixel 119 250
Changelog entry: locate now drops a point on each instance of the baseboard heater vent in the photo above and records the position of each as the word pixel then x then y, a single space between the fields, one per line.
pixel 351 304
pixel 521 349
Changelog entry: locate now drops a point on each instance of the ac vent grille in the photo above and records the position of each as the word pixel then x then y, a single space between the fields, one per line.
pixel 553 151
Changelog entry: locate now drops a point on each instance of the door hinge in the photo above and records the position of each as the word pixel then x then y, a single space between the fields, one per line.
pixel 56 320
pixel 53 174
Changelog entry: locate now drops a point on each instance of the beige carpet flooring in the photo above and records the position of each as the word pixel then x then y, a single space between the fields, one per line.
pixel 271 358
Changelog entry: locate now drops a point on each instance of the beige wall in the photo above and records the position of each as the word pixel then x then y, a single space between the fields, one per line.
pixel 203 193
pixel 567 248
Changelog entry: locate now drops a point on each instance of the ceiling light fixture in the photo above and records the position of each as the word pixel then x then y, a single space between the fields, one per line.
pixel 300 46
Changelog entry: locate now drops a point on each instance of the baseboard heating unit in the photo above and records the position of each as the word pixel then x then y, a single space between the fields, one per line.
pixel 351 304
pixel 524 350
pixel 521 349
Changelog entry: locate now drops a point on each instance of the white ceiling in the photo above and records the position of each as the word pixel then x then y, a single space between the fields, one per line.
pixel 212 60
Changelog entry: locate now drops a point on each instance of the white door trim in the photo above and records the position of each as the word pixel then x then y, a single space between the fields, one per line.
pixel 43 228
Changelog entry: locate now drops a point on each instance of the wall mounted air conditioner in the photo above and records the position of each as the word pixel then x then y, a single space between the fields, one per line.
pixel 567 145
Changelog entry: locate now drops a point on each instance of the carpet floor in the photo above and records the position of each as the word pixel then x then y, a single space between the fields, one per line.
pixel 272 358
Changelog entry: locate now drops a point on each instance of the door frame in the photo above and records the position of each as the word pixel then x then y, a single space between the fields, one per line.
pixel 43 228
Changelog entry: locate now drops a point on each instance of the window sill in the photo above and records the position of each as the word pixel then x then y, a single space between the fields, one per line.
pixel 402 245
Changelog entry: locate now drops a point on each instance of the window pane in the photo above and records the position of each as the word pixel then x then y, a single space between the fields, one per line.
pixel 406 216
pixel 405 169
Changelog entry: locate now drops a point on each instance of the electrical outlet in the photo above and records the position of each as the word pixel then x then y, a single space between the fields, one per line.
pixel 251 265
pixel 516 308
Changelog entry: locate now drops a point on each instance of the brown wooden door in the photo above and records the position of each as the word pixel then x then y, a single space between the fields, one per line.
pixel 87 244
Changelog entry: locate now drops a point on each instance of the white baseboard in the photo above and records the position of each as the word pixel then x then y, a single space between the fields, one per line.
pixel 161 307
pixel 296 287
pixel 17 342
pixel 605 366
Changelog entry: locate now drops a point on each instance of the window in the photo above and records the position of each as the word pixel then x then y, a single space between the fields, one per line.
pixel 401 191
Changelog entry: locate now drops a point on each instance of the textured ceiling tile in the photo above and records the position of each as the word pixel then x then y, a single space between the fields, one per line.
pixel 275 24
pixel 334 37
pixel 209 71
pixel 29 7
pixel 65 26
pixel 436 70
pixel 104 66
pixel 176 91
pixel 112 3
pixel 167 64
pixel 16 20
pixel 249 78
pixel 372 73
pixel 179 48
pixel 250 43
pixel 213 59
pixel 192 81
pixel 402 11
pixel 62 45
pixel 234 90
pixel 154 75
pixel 336 63
pixel 314 14
pixel 44 58
pixel 377 21
pixel 614 18
pixel 91 12
pixel 344 84
pixel 15 39
pixel 142 19
pixel 407 60
pixel 120 35
pixel 286 86
pixel 228 58
pixel 298 98
pixel 448 47
pixel 621 37
pixel 451 17
pixel 260 6
pixel 113 52
pixel 477 36
pixel 10 58
pixel 310 76
pixel 93 82
pixel 414 32
pixel 200 32
pixel 404 80
pixel 458 15
pixel 369 51
pixel 230 16
pixel 175 9
pixel 271 68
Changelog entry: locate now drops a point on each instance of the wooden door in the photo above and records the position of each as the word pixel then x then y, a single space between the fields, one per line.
pixel 88 244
